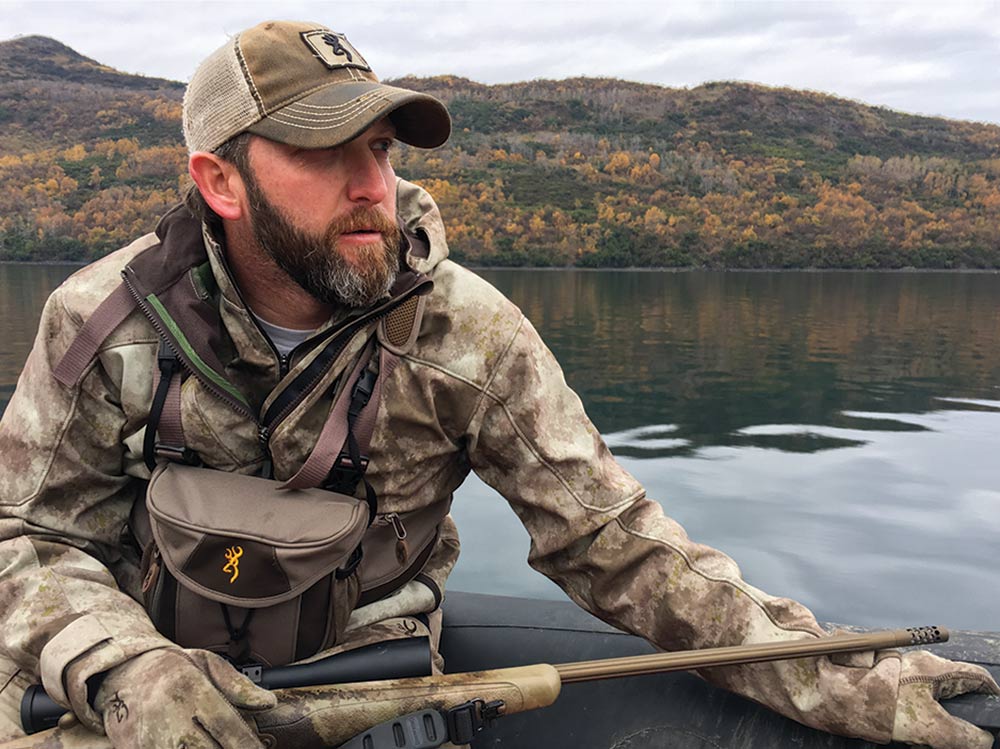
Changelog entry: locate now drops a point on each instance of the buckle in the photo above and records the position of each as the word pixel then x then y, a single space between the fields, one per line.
pixel 166 359
pixel 344 477
pixel 352 563
pixel 177 454
pixel 253 671
pixel 362 392
pixel 468 719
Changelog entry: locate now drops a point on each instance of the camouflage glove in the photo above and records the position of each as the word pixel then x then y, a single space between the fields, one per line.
pixel 174 698
pixel 923 680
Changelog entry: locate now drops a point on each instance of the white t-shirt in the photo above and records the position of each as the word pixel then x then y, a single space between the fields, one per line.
pixel 284 339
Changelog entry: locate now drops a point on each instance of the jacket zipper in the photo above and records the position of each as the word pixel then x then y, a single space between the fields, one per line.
pixel 179 353
pixel 284 365
pixel 342 337
pixel 284 360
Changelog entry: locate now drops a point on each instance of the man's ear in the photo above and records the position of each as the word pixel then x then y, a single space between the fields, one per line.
pixel 220 184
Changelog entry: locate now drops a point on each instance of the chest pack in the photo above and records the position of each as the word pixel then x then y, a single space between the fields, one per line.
pixel 256 569
pixel 261 570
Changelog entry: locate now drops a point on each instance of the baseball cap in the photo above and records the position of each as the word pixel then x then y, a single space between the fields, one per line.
pixel 300 84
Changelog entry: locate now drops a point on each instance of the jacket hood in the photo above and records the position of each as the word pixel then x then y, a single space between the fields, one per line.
pixel 420 216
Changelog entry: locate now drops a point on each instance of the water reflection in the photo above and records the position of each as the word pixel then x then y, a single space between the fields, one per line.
pixel 714 353
pixel 836 433
pixel 23 291
pixel 895 526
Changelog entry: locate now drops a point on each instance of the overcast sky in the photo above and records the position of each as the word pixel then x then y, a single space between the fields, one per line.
pixel 939 58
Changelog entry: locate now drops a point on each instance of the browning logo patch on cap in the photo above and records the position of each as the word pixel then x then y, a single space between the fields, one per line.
pixel 334 49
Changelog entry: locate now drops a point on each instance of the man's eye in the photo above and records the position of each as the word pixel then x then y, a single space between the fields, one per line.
pixel 383 145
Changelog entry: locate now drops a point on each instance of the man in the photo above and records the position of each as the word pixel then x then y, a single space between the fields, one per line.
pixel 304 236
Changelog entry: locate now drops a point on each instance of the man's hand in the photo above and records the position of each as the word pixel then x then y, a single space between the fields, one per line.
pixel 179 698
pixel 923 680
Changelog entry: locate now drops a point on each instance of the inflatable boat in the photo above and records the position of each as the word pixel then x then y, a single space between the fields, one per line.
pixel 664 711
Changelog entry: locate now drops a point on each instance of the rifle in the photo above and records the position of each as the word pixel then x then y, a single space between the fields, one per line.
pixel 426 712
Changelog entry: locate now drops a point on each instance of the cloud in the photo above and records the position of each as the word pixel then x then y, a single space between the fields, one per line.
pixel 928 58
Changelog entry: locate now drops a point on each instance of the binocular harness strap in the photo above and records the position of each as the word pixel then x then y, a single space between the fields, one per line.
pixel 165 412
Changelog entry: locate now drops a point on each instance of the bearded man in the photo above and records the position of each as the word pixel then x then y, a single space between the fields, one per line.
pixel 301 275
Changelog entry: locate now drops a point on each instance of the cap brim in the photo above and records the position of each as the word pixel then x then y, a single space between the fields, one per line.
pixel 340 112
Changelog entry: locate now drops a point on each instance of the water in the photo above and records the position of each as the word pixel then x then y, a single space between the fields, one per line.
pixel 836 433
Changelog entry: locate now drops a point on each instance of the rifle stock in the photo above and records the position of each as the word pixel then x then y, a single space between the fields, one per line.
pixel 328 716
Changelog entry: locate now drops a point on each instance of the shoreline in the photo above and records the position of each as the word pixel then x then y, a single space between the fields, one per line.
pixel 697 269
pixel 571 268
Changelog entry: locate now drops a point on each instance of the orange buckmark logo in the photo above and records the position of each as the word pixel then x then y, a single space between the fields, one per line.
pixel 233 554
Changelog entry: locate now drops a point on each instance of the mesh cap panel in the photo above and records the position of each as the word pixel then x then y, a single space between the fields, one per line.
pixel 218 102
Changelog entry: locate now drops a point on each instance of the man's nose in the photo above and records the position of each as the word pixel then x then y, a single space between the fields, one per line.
pixel 366 182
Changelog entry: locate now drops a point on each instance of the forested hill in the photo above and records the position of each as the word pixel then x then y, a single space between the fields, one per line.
pixel 586 172
pixel 42 59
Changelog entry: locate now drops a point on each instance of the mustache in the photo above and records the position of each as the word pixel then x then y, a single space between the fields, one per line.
pixel 363 218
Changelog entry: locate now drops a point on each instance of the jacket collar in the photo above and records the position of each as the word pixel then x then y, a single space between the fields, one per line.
pixel 191 296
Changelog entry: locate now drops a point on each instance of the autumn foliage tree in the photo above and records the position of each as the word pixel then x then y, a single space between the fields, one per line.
pixel 581 172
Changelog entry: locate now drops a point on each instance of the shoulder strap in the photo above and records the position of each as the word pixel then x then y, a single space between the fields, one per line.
pixel 81 352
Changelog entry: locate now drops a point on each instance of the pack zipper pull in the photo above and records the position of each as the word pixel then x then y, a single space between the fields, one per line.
pixel 402 548
pixel 153 572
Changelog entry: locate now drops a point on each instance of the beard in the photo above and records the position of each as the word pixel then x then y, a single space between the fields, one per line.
pixel 317 264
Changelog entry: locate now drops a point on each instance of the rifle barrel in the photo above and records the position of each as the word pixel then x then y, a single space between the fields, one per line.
pixel 654 663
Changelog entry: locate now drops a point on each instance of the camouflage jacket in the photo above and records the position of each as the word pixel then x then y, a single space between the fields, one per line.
pixel 478 391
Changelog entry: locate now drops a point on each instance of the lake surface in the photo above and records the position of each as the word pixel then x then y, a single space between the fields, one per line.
pixel 837 433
